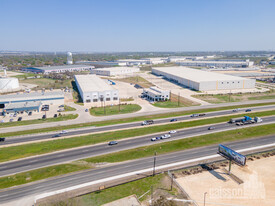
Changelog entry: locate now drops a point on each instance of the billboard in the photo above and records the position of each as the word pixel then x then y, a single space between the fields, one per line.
pixel 232 155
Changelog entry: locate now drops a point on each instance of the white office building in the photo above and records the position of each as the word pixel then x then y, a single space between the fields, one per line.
pixel 95 91
pixel 203 80
pixel 156 94
pixel 116 71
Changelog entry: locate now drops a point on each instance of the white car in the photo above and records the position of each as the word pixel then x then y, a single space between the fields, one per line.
pixel 172 132
pixel 63 132
pixel 166 136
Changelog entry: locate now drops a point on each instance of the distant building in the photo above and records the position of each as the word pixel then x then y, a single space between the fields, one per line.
pixel 156 94
pixel 216 63
pixel 20 107
pixel 114 71
pixel 203 80
pixel 58 69
pixel 95 91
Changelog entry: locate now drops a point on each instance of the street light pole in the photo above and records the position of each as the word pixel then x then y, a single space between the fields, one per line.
pixel 154 168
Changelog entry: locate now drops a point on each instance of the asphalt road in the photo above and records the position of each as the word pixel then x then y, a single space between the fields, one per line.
pixel 14 140
pixel 49 185
pixel 31 163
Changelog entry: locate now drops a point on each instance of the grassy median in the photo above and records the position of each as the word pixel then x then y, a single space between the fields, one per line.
pixel 63 117
pixel 127 120
pixel 27 150
pixel 115 109
pixel 140 152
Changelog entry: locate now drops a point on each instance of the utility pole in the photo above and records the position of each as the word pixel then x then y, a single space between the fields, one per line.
pixel 104 108
pixel 172 181
pixel 119 105
pixel 154 168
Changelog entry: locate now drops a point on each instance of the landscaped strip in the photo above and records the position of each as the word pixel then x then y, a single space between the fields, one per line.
pixel 128 120
pixel 27 150
pixel 63 117
pixel 140 152
pixel 115 109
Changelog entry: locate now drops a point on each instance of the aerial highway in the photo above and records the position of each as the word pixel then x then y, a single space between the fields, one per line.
pixel 87 130
pixel 53 184
pixel 12 167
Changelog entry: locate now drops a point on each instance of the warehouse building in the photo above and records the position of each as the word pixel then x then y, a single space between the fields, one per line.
pixel 217 63
pixel 114 71
pixel 95 91
pixel 203 80
pixel 156 94
pixel 58 69
pixel 30 101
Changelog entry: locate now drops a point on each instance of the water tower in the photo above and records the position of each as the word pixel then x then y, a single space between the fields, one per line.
pixel 69 58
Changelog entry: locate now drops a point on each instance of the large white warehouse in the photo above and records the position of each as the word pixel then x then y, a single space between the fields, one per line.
pixel 203 80
pixel 114 71
pixel 95 91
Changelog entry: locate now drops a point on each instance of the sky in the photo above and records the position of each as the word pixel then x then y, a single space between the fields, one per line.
pixel 137 25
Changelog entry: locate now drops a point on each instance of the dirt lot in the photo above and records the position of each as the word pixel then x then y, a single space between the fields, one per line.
pixel 258 187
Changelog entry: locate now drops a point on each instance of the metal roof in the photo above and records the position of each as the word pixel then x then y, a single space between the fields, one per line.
pixel 91 83
pixel 117 68
pixel 196 75
pixel 22 105
pixel 31 96
pixel 61 67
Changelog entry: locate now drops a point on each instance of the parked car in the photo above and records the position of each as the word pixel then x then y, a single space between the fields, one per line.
pixel 173 120
pixel 44 116
pixel 30 113
pixel 15 115
pixel 248 110
pixel 211 128
pixel 55 115
pixel 56 135
pixel 172 132
pixel 19 119
pixel 113 143
pixel 86 110
pixel 2 139
pixel 11 120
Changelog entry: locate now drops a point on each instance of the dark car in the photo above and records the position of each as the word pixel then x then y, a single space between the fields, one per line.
pixel 30 113
pixel 211 128
pixel 44 116
pixel 56 135
pixel 202 114
pixel 112 143
pixel 248 110
pixel 19 118
pixel 86 110
pixel 173 120
pixel 2 139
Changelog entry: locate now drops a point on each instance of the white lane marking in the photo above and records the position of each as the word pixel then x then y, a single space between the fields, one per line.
pixel 141 171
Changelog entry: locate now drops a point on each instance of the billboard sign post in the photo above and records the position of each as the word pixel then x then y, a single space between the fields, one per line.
pixel 231 155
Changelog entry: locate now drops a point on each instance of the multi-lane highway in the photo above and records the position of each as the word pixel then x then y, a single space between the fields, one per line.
pixel 83 131
pixel 62 182
pixel 99 149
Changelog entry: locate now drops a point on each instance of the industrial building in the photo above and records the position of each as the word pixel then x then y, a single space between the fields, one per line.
pixel 8 83
pixel 114 71
pixel 95 91
pixel 58 69
pixel 30 101
pixel 203 80
pixel 156 94
pixel 216 63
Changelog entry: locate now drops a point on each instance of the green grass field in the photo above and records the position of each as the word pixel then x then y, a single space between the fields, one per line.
pixel 127 120
pixel 38 121
pixel 27 150
pixel 176 101
pixel 116 109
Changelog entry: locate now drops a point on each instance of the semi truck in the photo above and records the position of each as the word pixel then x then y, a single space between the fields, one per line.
pixel 246 120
